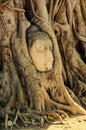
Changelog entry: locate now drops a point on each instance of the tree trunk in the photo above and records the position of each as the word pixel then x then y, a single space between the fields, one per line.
pixel 29 92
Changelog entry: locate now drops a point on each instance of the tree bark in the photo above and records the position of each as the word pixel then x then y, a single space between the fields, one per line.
pixel 26 92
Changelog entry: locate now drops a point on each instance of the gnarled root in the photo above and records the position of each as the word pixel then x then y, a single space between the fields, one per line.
pixel 14 117
pixel 83 101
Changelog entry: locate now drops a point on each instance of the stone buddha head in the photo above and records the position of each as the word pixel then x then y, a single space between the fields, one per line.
pixel 41 52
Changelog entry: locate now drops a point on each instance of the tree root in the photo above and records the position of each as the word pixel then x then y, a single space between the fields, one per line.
pixel 15 117
pixel 83 101
pixel 49 107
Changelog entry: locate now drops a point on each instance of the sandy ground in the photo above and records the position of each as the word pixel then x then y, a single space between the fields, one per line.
pixel 73 123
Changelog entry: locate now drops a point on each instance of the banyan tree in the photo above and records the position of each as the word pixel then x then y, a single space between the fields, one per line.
pixel 42 61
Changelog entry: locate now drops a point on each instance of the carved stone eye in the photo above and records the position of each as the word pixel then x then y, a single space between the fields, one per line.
pixel 40 49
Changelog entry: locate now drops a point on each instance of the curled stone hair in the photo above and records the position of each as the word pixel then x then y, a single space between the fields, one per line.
pixel 33 33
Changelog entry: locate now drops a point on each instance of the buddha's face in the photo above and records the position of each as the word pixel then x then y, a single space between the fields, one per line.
pixel 41 54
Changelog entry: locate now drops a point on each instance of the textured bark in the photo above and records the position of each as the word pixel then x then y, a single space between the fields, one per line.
pixel 26 92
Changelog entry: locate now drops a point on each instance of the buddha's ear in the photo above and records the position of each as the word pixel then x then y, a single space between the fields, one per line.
pixel 30 43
